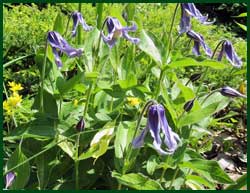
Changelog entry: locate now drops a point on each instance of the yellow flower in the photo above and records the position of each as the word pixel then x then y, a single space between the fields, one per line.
pixel 75 102
pixel 243 88
pixel 15 87
pixel 11 103
pixel 133 101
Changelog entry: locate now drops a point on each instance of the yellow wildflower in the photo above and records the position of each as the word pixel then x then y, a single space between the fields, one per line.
pixel 75 102
pixel 15 87
pixel 11 103
pixel 133 101
pixel 243 88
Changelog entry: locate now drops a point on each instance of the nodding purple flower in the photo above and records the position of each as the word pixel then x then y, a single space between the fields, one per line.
pixel 59 46
pixel 228 49
pixel 116 30
pixel 9 178
pixel 78 19
pixel 230 92
pixel 189 10
pixel 198 41
pixel 156 122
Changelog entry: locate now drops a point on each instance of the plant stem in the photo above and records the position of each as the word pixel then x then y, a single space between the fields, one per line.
pixel 77 161
pixel 171 29
pixel 164 170
pixel 43 77
pixel 85 109
pixel 169 50
pixel 172 181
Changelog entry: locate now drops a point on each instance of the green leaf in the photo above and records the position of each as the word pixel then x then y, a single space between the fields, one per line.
pixel 148 46
pixel 208 168
pixel 22 172
pixel 99 144
pixel 101 116
pixel 240 183
pixel 137 181
pixel 184 62
pixel 131 81
pixel 66 146
pixel 65 86
pixel 44 167
pixel 152 164
pixel 120 140
pixel 92 38
pixel 197 116
pixel 199 180
pixel 241 15
pixel 58 25
pixel 244 27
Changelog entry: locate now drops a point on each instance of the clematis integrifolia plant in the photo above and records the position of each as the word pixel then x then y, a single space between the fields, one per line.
pixel 156 123
pixel 59 46
pixel 78 20
pixel 228 50
pixel 116 30
pixel 230 92
pixel 189 10
pixel 198 41
pixel 9 179
pixel 80 125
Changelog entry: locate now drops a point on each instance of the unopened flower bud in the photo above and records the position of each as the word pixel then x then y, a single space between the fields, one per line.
pixel 189 105
pixel 80 125
pixel 195 77
pixel 230 92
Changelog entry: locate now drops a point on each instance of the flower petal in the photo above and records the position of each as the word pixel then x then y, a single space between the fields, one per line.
pixel 129 38
pixel 9 178
pixel 171 138
pixel 139 140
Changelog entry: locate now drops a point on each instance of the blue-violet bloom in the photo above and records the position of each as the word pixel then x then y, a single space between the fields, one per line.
pixel 228 49
pixel 60 45
pixel 230 92
pixel 9 178
pixel 78 19
pixel 189 10
pixel 116 30
pixel 156 122
pixel 198 41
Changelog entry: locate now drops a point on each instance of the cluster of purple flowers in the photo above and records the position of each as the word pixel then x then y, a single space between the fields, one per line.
pixel 188 10
pixel 115 30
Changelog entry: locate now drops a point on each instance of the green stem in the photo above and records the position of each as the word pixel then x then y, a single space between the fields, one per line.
pixel 85 110
pixel 79 31
pixel 171 29
pixel 43 77
pixel 172 181
pixel 206 69
pixel 214 91
pixel 169 50
pixel 99 11
pixel 164 169
pixel 77 162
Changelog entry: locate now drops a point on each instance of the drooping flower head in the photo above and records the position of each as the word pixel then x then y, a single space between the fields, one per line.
pixel 198 41
pixel 230 92
pixel 189 10
pixel 116 30
pixel 60 45
pixel 156 123
pixel 78 20
pixel 9 178
pixel 228 50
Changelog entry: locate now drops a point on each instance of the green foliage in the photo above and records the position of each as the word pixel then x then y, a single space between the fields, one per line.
pixel 108 89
